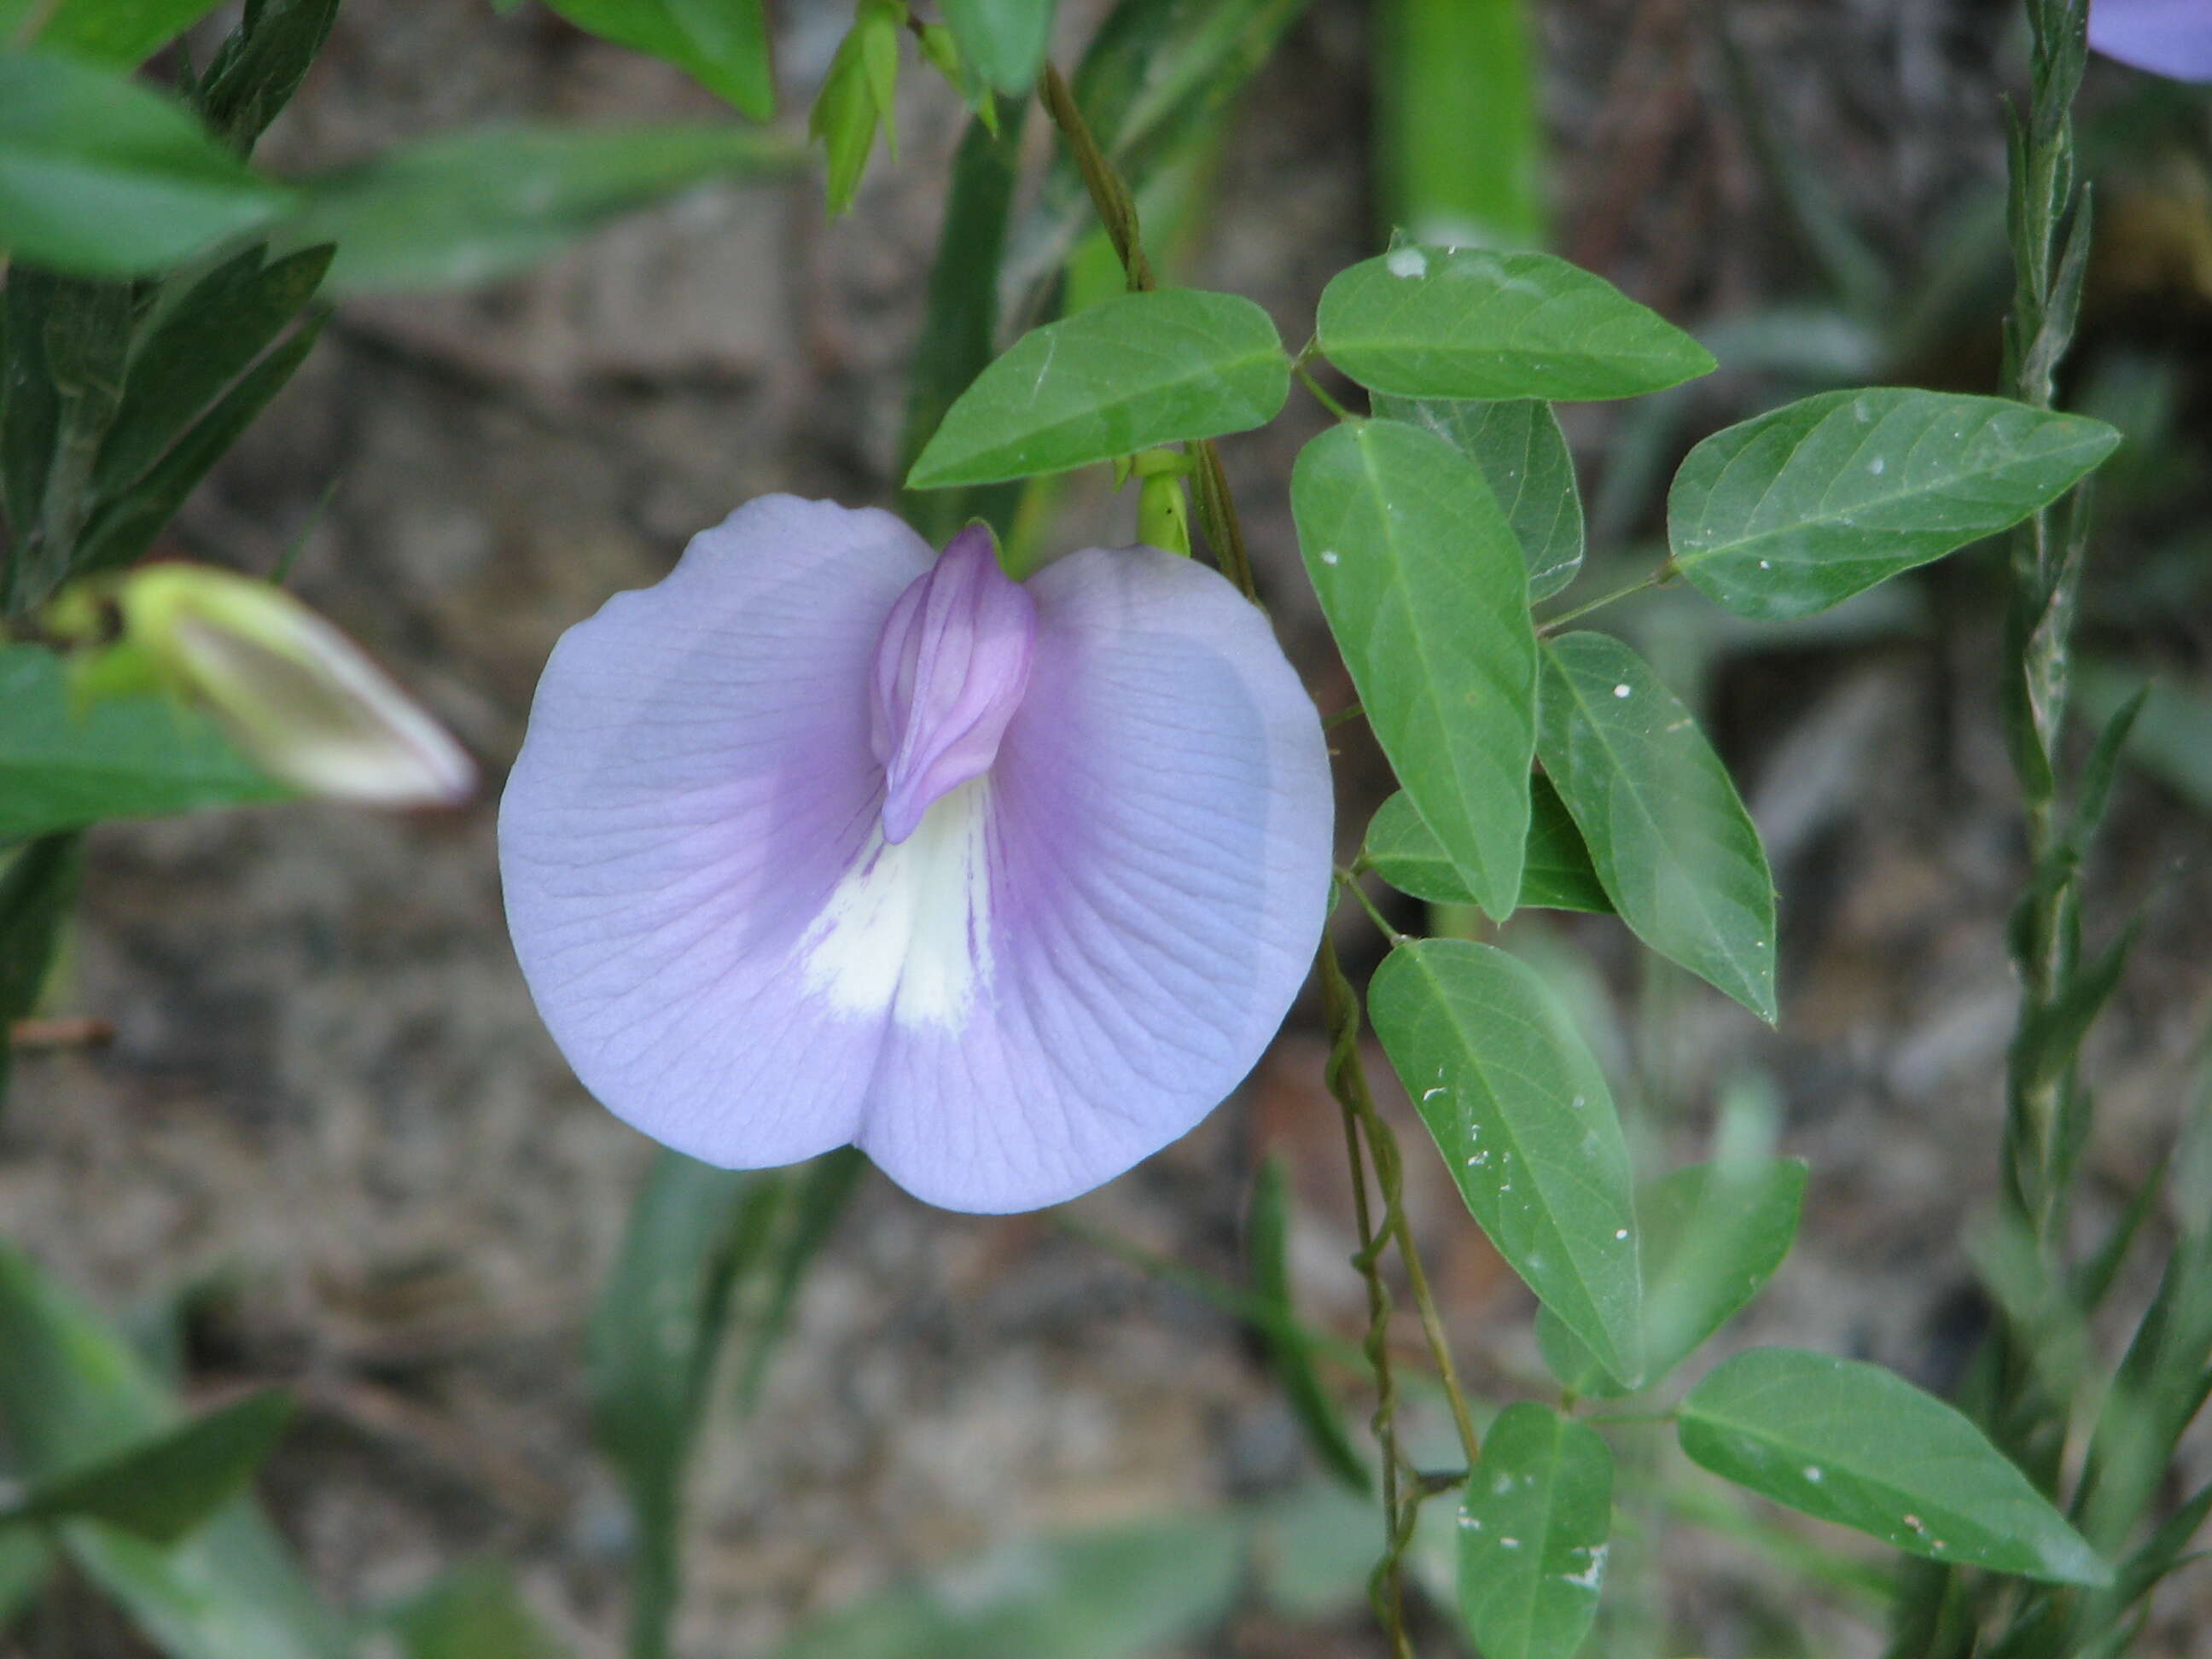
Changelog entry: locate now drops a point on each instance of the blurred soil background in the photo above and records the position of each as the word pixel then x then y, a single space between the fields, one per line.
pixel 331 1120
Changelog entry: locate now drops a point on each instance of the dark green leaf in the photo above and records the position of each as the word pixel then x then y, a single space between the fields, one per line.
pixel 721 43
pixel 228 318
pixel 818 1198
pixel 126 525
pixel 1797 509
pixel 1423 584
pixel 1666 832
pixel 73 1394
pixel 126 757
pixel 260 65
pixel 655 1336
pixel 26 1565
pixel 472 1612
pixel 122 33
pixel 470 206
pixel 1533 1534
pixel 1434 322
pixel 1267 1242
pixel 1130 372
pixel 1120 1593
pixel 1405 852
pixel 104 177
pixel 1713 1234
pixel 163 1488
pixel 1524 459
pixel 1521 1112
pixel 960 319
pixel 30 409
pixel 1860 1446
pixel 1003 40
pixel 38 890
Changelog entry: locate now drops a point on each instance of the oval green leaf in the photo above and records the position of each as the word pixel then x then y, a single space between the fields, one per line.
pixel 1533 1534
pixel 1422 582
pixel 1524 459
pixel 1556 875
pixel 1798 509
pixel 168 1486
pixel 1003 40
pixel 99 177
pixel 1713 1234
pixel 1520 1110
pixel 1860 1446
pixel 1666 832
pixel 1432 322
pixel 1125 375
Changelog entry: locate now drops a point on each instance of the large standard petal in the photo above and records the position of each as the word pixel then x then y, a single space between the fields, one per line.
pixel 696 784
pixel 2171 38
pixel 1156 855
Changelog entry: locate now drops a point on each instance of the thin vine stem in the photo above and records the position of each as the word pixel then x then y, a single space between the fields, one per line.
pixel 1322 394
pixel 1366 1134
pixel 1665 573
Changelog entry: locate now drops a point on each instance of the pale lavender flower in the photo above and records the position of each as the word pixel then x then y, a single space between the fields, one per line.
pixel 2171 38
pixel 823 840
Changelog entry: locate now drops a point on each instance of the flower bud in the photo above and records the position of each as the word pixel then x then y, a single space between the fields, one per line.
pixel 298 697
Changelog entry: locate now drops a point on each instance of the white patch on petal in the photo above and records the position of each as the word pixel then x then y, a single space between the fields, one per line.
pixel 908 930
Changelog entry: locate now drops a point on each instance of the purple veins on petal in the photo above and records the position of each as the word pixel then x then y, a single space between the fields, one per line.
pixel 2172 38
pixel 950 672
pixel 822 840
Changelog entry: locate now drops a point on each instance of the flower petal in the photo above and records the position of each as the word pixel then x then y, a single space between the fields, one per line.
pixel 2171 38
pixel 696 782
pixel 1158 827
pixel 1069 961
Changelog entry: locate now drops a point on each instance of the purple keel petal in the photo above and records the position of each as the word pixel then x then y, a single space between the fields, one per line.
pixel 1158 834
pixel 696 782
pixel 2171 38
pixel 949 672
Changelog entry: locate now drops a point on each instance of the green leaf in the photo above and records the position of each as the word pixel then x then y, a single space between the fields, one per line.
pixel 1003 40
pixel 721 43
pixel 470 206
pixel 1860 1446
pixel 166 1487
pixel 30 409
pixel 212 336
pixel 1713 1235
pixel 104 177
pixel 73 1394
pixel 260 64
pixel 960 319
pixel 38 891
pixel 655 1336
pixel 820 1195
pixel 1123 1592
pixel 1520 1110
pixel 1666 832
pixel 126 525
pixel 1557 876
pixel 1131 372
pixel 1432 322
pixel 1267 1243
pixel 1524 459
pixel 1798 509
pixel 472 1612
pixel 128 757
pixel 120 33
pixel 1421 580
pixel 1533 1534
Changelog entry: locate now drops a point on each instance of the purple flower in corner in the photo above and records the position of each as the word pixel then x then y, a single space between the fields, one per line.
pixel 2171 38
pixel 826 840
